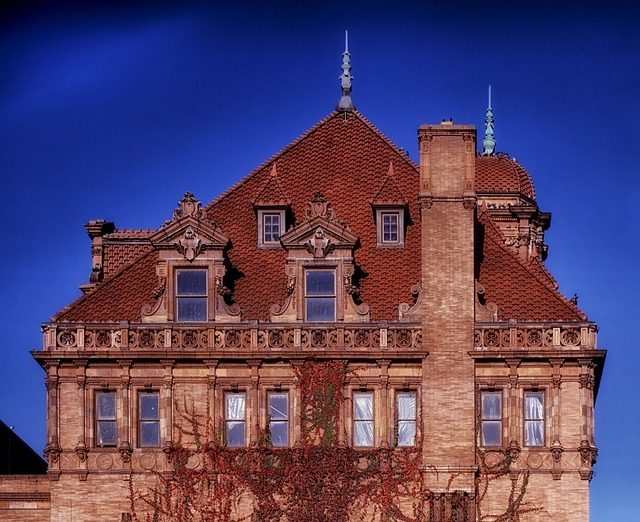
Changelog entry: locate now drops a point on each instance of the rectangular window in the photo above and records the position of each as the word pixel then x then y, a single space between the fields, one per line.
pixel 191 295
pixel 279 419
pixel 235 422
pixel 320 295
pixel 534 419
pixel 149 419
pixel 406 411
pixel 271 228
pixel 105 419
pixel 363 419
pixel 390 227
pixel 491 405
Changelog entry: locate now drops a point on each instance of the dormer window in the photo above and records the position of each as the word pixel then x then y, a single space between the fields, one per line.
pixel 320 295
pixel 191 295
pixel 390 227
pixel 271 225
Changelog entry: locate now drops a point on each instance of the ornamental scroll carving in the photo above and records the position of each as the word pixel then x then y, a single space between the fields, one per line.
pixel 408 313
pixel 486 312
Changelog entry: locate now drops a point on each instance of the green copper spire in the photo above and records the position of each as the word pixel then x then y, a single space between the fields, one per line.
pixel 345 104
pixel 489 142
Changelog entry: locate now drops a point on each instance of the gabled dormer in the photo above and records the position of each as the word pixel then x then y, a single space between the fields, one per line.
pixel 272 207
pixel 190 269
pixel 319 270
pixel 389 208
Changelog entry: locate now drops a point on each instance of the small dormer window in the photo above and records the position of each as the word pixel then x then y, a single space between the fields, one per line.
pixel 390 227
pixel 271 225
pixel 191 295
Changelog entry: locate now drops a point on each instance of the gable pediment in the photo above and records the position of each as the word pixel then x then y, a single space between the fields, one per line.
pixel 321 232
pixel 188 233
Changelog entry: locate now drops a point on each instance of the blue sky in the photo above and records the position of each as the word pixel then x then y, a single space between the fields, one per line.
pixel 115 109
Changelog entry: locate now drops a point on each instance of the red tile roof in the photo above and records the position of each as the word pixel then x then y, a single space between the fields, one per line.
pixel 348 160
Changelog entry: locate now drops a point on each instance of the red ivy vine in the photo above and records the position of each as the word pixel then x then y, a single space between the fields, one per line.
pixel 318 480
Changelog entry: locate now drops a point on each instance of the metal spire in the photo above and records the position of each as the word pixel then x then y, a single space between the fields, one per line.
pixel 489 142
pixel 345 104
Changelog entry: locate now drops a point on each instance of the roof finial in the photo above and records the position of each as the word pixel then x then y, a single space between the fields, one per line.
pixel 488 143
pixel 345 104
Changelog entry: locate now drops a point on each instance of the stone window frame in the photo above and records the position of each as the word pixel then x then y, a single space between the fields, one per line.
pixel 139 420
pixel 97 419
pixel 226 420
pixel 271 211
pixel 542 419
pixel 398 211
pixel 289 418
pixel 355 421
pixel 501 420
pixel 176 296
pixel 337 299
pixel 397 419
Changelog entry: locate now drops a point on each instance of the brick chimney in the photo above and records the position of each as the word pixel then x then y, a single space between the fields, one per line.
pixel 447 202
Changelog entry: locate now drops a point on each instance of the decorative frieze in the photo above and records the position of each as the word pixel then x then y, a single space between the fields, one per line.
pixel 535 336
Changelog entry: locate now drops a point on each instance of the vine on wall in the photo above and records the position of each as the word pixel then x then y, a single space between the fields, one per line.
pixel 318 480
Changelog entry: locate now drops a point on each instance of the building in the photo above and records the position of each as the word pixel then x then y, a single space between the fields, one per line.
pixel 421 285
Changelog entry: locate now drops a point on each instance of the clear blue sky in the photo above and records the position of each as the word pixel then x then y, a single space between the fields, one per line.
pixel 113 111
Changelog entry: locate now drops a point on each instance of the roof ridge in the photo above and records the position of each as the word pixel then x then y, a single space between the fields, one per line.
pixel 303 136
pixel 99 288
pixel 485 218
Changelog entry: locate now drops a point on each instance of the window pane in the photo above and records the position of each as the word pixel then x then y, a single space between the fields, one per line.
pixel 106 433
pixel 534 433
pixel 149 406
pixel 320 282
pixel 192 309
pixel 192 282
pixel 491 435
pixel 278 406
pixel 363 435
pixel 235 433
pixel 406 406
pixel 279 432
pixel 106 405
pixel 149 433
pixel 534 406
pixel 363 406
pixel 235 406
pixel 271 228
pixel 406 433
pixel 321 309
pixel 491 406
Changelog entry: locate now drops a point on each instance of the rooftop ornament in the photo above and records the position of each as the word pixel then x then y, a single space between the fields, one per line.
pixel 346 104
pixel 489 142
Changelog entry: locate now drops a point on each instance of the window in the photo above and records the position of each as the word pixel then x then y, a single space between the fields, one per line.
pixel 279 419
pixel 149 419
pixel 271 225
pixel 406 411
pixel 491 414
pixel 191 295
pixel 320 295
pixel 390 227
pixel 363 419
pixel 534 419
pixel 235 419
pixel 105 419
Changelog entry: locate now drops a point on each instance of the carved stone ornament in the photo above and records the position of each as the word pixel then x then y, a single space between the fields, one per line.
pixel 189 206
pixel 485 312
pixel 513 450
pixel 82 451
pixel 159 296
pixel 588 453
pixel 319 206
pixel 52 452
pixel 190 246
pixel 125 450
pixel 407 312
pixel 167 449
pixel 319 245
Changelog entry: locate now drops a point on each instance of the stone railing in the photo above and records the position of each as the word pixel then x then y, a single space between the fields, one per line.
pixel 535 336
pixel 233 337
